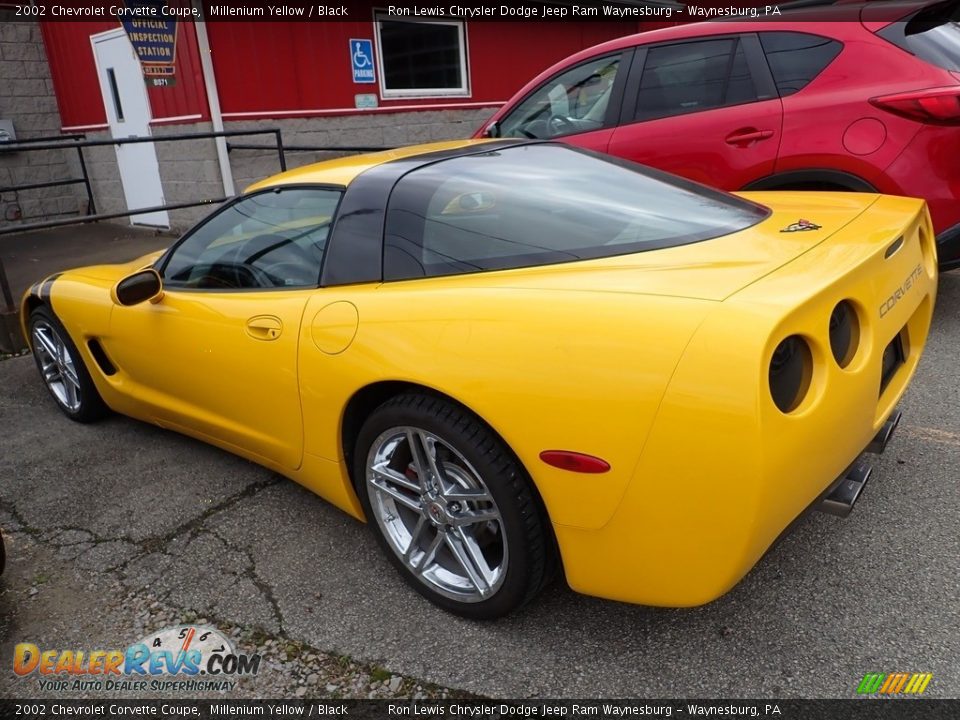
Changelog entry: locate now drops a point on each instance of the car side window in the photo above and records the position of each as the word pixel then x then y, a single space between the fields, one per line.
pixel 272 239
pixel 797 58
pixel 574 101
pixel 693 76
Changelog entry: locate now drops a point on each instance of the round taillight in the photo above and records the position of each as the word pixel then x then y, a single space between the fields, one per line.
pixel 844 333
pixel 790 370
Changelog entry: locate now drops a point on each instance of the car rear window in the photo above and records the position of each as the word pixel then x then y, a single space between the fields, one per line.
pixel 932 34
pixel 795 59
pixel 540 204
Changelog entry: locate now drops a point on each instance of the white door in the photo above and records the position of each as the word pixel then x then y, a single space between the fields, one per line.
pixel 128 113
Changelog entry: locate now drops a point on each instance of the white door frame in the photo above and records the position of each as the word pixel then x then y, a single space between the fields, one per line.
pixel 154 219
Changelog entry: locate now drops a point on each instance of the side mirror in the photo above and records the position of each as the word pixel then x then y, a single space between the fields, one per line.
pixel 135 289
pixel 492 131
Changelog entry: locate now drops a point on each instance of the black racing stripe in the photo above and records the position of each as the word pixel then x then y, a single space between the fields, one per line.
pixel 355 247
pixel 46 286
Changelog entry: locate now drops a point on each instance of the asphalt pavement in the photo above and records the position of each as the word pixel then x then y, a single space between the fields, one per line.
pixel 137 510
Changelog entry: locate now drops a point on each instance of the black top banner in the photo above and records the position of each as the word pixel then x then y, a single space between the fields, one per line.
pixel 862 709
pixel 663 11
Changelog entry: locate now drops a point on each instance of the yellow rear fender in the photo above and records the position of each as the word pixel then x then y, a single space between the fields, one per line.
pixel 568 377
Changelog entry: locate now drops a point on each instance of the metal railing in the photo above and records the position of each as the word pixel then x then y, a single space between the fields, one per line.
pixel 44 143
pixel 80 142
pixel 313 148
pixel 5 291
pixel 11 338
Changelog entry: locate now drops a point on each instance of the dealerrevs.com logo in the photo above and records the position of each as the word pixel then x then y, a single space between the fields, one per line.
pixel 186 657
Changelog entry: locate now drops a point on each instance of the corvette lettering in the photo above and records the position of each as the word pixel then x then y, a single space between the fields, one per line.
pixel 894 298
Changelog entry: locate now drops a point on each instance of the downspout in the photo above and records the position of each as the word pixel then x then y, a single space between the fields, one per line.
pixel 213 101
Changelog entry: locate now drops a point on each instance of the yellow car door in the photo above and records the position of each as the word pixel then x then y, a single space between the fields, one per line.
pixel 222 366
pixel 215 356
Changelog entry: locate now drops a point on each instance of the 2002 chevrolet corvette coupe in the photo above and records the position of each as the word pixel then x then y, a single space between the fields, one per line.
pixel 513 357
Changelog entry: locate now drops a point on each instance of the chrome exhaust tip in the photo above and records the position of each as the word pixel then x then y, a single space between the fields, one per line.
pixel 879 442
pixel 841 499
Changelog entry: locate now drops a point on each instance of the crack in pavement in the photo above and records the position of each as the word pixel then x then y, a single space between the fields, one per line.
pixel 253 576
pixel 156 544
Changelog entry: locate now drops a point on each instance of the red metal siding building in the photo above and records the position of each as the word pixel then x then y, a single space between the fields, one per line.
pixel 300 69
pixel 74 74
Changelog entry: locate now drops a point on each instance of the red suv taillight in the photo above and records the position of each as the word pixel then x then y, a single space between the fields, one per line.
pixel 935 106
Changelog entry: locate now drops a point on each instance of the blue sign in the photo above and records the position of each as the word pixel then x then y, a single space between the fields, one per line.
pixel 153 36
pixel 361 59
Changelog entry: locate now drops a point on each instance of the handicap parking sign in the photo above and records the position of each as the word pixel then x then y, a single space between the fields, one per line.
pixel 361 58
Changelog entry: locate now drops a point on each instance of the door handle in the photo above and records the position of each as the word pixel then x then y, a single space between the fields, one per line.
pixel 746 136
pixel 264 327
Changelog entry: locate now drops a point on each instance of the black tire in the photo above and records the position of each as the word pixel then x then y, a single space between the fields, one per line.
pixel 530 548
pixel 90 406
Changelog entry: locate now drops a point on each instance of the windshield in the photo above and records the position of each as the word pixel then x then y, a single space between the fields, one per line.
pixel 545 203
pixel 933 35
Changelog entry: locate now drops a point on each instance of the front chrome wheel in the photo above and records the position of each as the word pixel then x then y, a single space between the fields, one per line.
pixel 437 514
pixel 57 365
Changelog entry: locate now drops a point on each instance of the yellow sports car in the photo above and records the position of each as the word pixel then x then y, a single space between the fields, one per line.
pixel 519 357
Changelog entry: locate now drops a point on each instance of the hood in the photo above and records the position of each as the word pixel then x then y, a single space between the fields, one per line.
pixel 115 272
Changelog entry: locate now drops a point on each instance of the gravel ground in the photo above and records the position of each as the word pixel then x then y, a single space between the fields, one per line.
pixel 32 603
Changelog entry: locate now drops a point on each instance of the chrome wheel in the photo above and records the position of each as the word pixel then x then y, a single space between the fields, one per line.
pixel 437 514
pixel 57 365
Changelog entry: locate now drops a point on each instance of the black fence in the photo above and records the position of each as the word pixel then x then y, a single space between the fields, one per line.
pixel 5 291
pixel 79 142
pixel 41 143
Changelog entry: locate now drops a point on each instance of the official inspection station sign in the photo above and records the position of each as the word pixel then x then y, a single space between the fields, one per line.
pixel 154 41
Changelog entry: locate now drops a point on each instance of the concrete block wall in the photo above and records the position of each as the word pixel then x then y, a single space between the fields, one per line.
pixel 27 98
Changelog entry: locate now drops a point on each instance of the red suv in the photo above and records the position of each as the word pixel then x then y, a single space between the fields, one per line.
pixel 866 99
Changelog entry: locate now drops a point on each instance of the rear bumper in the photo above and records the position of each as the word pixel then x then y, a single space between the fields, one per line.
pixel 723 471
pixel 948 249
